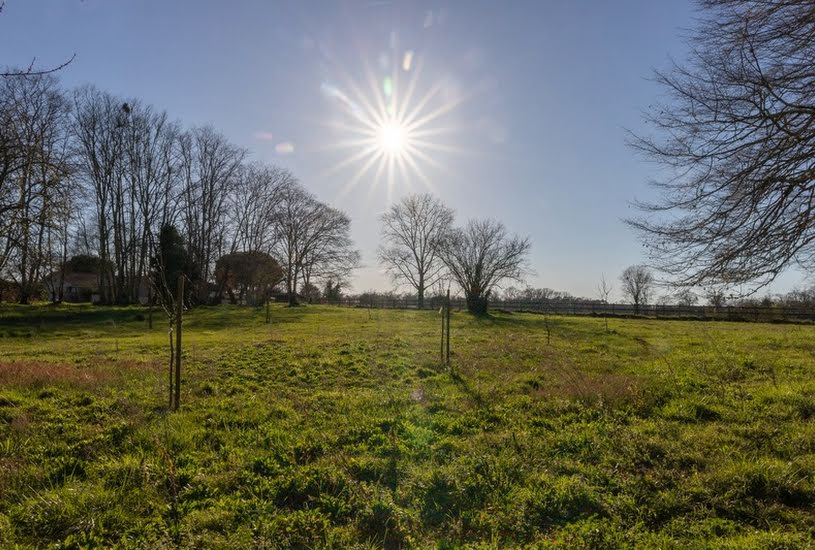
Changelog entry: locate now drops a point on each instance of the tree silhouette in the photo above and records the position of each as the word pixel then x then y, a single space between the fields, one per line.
pixel 736 137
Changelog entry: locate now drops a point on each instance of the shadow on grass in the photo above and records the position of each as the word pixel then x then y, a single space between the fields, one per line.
pixel 464 385
pixel 527 321
pixel 45 318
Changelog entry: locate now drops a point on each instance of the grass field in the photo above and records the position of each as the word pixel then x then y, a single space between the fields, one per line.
pixel 338 427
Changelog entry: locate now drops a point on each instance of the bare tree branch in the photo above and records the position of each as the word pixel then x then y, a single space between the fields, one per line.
pixel 31 71
pixel 737 141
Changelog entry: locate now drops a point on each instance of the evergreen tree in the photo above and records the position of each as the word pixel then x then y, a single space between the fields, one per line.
pixel 171 261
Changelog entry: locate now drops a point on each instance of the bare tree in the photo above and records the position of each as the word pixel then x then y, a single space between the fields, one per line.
pixel 637 284
pixel 12 156
pixel 313 239
pixel 151 168
pixel 326 251
pixel 686 297
pixel 331 255
pixel 35 184
pixel 251 217
pixel 128 163
pixel 253 205
pixel 293 214
pixel 412 231
pixel 482 255
pixel 604 289
pixel 58 239
pixel 737 137
pixel 715 297
pixel 209 170
pixel 98 135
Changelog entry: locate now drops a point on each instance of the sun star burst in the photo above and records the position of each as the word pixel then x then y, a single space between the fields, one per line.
pixel 388 128
pixel 393 138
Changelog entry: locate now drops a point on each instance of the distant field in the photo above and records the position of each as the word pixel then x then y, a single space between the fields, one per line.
pixel 338 427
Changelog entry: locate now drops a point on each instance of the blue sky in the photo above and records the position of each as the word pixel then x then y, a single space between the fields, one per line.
pixel 527 102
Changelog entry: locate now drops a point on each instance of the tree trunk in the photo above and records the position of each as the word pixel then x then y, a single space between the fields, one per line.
pixel 292 291
pixel 477 305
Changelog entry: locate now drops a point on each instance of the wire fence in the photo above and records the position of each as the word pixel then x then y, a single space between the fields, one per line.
pixel 773 313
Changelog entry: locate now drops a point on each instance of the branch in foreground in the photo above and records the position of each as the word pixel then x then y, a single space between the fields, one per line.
pixel 40 72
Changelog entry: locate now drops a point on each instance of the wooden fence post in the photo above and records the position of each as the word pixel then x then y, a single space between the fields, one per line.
pixel 150 306
pixel 178 315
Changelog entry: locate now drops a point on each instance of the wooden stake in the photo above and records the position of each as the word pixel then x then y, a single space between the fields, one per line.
pixel 441 351
pixel 172 359
pixel 448 326
pixel 178 315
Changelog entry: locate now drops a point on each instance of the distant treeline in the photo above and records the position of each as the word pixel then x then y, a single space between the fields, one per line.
pixel 798 298
pixel 87 173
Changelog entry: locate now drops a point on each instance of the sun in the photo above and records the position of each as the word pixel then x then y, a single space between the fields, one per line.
pixel 393 138
pixel 390 127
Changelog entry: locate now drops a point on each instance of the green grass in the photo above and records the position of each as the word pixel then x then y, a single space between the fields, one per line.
pixel 338 427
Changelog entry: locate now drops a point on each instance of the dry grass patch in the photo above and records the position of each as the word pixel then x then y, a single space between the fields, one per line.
pixel 32 373
pixel 590 388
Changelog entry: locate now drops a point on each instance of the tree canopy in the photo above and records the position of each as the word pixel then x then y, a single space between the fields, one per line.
pixel 245 272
